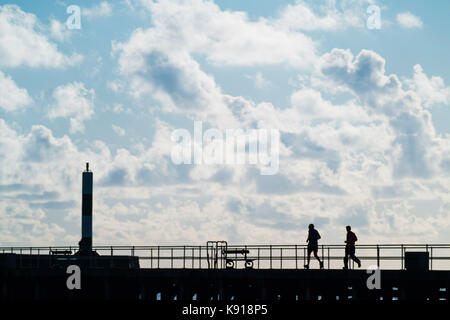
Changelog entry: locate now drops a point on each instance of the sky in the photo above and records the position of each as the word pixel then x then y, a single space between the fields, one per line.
pixel 357 90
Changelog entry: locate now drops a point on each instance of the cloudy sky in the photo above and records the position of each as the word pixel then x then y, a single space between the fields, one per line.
pixel 362 106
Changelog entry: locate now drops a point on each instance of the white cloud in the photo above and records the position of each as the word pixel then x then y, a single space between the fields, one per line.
pixel 116 86
pixel 310 104
pixel 324 17
pixel 415 149
pixel 174 79
pixel 73 101
pixel 119 108
pixel 364 75
pixel 431 90
pixel 118 130
pixel 22 42
pixel 362 158
pixel 408 20
pixel 333 157
pixel 59 31
pixel 100 10
pixel 259 81
pixel 11 96
pixel 230 39
pixel 158 61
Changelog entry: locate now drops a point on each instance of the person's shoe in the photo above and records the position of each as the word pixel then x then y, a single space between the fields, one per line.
pixel 321 264
pixel 359 264
pixel 306 266
pixel 345 268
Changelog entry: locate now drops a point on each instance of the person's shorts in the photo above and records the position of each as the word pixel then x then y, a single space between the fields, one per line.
pixel 313 248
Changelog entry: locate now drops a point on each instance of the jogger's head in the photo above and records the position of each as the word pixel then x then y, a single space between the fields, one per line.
pixel 348 228
pixel 311 226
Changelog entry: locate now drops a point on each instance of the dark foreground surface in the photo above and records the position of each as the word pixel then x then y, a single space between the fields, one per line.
pixel 226 285
pixel 223 294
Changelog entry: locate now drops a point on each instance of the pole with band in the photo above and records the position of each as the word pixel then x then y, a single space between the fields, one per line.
pixel 86 211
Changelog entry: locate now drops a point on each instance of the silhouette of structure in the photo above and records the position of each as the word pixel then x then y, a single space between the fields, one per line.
pixel 217 271
pixel 86 213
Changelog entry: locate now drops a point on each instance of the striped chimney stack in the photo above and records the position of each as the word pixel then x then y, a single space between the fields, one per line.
pixel 86 210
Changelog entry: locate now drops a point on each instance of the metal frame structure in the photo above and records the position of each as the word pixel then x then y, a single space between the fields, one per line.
pixel 221 255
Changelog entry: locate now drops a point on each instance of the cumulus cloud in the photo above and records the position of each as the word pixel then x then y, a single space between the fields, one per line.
pixel 310 104
pixel 415 146
pixel 159 61
pixel 100 10
pixel 409 21
pixel 365 157
pixel 22 42
pixel 230 39
pixel 73 101
pixel 326 17
pixel 50 163
pixel 11 96
pixel 364 74
pixel 175 79
pixel 40 145
pixel 431 90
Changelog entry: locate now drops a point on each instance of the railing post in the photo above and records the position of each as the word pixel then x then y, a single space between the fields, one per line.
pixel 184 257
pixel 296 262
pixel 281 258
pixel 258 257
pixel 403 266
pixel 378 256
pixel 304 256
pixel 431 257
pixel 322 254
pixel 270 256
pixel 245 256
pixel 328 249
pixel 200 257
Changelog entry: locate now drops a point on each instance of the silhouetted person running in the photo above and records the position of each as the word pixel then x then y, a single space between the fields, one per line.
pixel 313 245
pixel 350 248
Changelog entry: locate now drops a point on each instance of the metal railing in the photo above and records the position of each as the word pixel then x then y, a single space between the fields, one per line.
pixel 219 255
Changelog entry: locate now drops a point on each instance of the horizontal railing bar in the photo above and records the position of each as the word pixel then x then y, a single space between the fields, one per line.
pixel 235 246
pixel 195 256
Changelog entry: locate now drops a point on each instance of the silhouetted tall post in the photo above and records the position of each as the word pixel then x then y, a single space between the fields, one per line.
pixel 86 211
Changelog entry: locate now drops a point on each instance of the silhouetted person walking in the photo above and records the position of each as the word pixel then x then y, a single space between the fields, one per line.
pixel 350 248
pixel 313 245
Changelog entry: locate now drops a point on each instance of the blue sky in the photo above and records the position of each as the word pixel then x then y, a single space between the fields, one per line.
pixel 363 116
